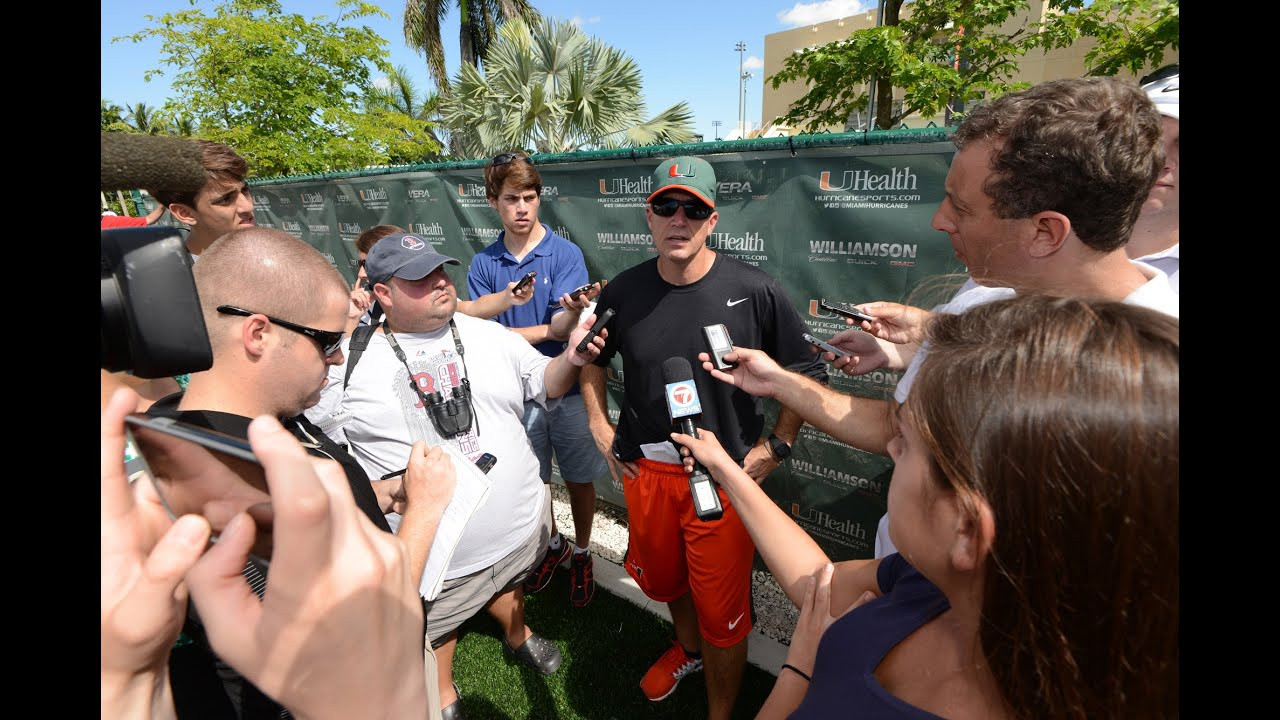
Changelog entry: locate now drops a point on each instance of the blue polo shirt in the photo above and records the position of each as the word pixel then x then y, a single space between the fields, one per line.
pixel 561 268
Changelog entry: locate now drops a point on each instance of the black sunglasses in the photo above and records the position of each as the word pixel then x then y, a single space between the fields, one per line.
pixel 505 158
pixel 693 209
pixel 329 341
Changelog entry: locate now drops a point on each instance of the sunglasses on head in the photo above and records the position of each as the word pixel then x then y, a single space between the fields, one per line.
pixel 693 209
pixel 505 158
pixel 329 341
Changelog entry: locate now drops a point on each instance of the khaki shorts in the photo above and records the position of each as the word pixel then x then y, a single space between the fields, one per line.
pixel 463 597
pixel 431 672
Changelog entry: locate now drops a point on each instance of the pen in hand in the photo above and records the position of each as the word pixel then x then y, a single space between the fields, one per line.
pixel 484 462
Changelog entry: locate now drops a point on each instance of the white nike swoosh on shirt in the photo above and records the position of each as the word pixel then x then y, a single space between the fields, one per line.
pixel 731 303
pixel 735 620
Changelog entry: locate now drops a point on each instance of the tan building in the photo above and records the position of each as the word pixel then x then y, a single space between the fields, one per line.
pixel 1034 67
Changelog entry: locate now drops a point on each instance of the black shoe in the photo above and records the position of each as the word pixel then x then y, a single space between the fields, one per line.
pixel 454 711
pixel 582 583
pixel 540 576
pixel 537 652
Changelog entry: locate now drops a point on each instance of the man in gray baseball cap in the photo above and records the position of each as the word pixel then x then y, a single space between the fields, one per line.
pixel 403 255
pixel 439 376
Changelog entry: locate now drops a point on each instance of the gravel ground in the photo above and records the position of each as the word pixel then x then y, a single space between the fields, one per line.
pixel 775 615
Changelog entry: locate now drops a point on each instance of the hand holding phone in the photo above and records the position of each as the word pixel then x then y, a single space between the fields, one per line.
pixel 581 291
pixel 828 347
pixel 846 310
pixel 595 330
pixel 524 282
pixel 145 556
pixel 198 471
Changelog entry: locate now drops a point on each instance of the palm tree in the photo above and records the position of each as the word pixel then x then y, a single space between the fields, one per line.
pixel 111 113
pixel 549 86
pixel 141 117
pixel 182 126
pixel 400 95
pixel 479 22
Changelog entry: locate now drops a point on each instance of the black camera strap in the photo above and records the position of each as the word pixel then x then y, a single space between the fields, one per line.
pixel 360 340
pixel 457 345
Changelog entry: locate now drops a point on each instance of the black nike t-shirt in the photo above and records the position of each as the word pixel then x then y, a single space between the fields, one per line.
pixel 656 320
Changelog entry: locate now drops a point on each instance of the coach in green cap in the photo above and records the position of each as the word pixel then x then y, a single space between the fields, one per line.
pixel 701 569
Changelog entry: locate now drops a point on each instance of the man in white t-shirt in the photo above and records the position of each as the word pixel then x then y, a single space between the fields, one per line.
pixel 1041 196
pixel 437 375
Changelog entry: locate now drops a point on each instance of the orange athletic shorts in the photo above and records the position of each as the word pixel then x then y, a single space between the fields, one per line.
pixel 671 552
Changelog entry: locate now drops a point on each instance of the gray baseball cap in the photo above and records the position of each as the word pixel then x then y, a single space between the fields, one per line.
pixel 403 255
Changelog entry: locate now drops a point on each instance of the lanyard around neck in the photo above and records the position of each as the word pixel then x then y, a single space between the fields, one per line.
pixel 457 345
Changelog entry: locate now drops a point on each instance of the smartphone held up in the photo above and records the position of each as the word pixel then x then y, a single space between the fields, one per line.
pixel 197 471
pixel 846 310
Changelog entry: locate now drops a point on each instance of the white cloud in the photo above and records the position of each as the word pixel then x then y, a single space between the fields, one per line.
pixel 821 11
pixel 382 83
pixel 752 62
pixel 577 20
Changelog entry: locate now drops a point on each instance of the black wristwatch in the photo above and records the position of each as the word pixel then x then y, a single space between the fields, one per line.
pixel 780 449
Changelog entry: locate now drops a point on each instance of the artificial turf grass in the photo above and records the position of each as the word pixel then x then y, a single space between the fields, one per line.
pixel 605 649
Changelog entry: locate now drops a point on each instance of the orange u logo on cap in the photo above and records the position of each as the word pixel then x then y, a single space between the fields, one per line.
pixel 675 171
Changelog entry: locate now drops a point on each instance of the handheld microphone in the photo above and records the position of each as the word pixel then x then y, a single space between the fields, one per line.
pixel 152 162
pixel 683 406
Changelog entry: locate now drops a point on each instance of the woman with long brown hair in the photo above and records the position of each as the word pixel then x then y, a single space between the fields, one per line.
pixel 1034 503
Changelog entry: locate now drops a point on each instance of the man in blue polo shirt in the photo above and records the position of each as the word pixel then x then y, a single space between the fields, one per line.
pixel 514 188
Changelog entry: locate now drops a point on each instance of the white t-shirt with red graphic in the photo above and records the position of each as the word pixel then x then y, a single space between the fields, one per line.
pixel 383 417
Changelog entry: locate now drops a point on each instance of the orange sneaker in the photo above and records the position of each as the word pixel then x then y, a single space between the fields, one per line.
pixel 665 675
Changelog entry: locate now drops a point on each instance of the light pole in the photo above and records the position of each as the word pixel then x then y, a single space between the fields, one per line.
pixel 741 47
pixel 716 124
pixel 871 99
pixel 745 77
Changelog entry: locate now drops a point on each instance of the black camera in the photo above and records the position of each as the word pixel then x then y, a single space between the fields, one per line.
pixel 451 417
pixel 151 321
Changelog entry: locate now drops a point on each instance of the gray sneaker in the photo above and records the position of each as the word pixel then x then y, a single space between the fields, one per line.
pixel 537 652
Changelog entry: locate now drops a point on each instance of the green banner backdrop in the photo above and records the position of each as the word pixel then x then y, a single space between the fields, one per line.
pixel 843 217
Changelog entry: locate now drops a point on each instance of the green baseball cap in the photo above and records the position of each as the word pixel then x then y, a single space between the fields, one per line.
pixel 691 174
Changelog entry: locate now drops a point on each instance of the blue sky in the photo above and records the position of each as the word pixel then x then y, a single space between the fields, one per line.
pixel 684 48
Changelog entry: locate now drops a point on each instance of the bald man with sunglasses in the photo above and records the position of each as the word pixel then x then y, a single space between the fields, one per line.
pixel 275 310
pixel 701 569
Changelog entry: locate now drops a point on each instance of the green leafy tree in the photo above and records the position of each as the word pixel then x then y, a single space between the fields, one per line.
pixel 949 52
pixel 478 25
pixel 549 86
pixel 283 90
pixel 1131 34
